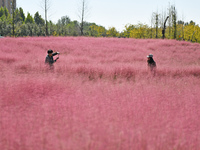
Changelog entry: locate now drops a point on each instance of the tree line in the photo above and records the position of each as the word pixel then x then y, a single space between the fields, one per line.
pixel 163 25
pixel 36 26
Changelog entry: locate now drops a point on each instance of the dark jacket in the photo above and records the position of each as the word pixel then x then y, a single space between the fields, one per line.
pixel 151 64
pixel 49 60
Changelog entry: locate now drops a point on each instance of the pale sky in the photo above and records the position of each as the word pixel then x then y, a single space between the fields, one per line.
pixel 114 13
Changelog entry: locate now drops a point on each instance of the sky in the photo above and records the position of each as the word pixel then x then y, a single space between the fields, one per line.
pixel 113 13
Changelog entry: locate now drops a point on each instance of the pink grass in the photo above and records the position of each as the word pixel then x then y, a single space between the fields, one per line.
pixel 100 95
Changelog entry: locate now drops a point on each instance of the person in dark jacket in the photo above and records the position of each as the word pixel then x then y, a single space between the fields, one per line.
pixel 151 63
pixel 49 58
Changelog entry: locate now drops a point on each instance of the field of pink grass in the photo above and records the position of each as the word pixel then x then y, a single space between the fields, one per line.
pixel 100 95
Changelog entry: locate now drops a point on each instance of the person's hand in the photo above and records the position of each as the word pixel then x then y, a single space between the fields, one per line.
pixel 57 58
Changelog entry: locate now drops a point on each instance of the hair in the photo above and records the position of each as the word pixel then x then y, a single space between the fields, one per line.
pixel 49 51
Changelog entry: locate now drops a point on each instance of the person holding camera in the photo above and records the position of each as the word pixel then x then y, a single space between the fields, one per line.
pixel 49 58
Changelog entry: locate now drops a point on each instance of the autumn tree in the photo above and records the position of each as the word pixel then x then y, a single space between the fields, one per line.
pixel 128 29
pixel 97 31
pixel 139 31
pixel 112 32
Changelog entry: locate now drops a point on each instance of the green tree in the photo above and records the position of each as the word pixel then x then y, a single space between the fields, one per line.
pixel 5 22
pixel 21 12
pixel 29 19
pixel 52 28
pixel 17 16
pixel 62 25
pixel 65 20
pixel 73 28
pixel 1 12
pixel 38 19
pixel 24 30
pixel 6 12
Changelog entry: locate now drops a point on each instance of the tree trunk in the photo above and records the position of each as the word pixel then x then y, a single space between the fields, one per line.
pixel 46 18
pixel 82 18
pixel 13 18
pixel 156 26
pixel 174 22
pixel 164 27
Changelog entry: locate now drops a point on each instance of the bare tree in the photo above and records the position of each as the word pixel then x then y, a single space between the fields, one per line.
pixel 164 27
pixel 152 22
pixel 170 19
pixel 155 21
pixel 157 25
pixel 182 27
pixel 163 23
pixel 83 12
pixel 46 6
pixel 174 20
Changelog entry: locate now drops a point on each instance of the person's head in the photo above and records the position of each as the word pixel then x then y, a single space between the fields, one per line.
pixel 50 52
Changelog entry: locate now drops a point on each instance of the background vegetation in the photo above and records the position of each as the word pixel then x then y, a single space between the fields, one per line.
pixel 21 25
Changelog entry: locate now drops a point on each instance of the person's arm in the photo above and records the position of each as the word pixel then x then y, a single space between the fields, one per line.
pixel 56 53
pixel 56 59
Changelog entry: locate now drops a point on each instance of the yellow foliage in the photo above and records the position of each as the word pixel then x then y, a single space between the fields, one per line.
pixel 112 32
pixel 97 31
pixel 189 32
pixel 54 33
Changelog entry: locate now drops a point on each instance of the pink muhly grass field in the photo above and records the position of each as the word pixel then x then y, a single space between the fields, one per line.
pixel 100 95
